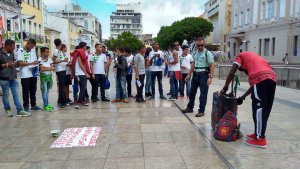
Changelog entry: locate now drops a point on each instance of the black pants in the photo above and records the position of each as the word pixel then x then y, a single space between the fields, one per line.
pixel 61 76
pixel 82 87
pixel 157 75
pixel 129 80
pixel 99 80
pixel 262 97
pixel 199 80
pixel 86 91
pixel 29 91
pixel 140 89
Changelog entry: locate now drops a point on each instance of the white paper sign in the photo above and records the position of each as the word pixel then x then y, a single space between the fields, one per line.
pixel 77 137
pixel 139 83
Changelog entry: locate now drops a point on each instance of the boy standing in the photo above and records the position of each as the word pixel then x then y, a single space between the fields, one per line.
pixel 99 64
pixel 46 68
pixel 60 62
pixel 27 61
pixel 8 79
pixel 139 67
pixel 185 64
pixel 129 59
pixel 121 66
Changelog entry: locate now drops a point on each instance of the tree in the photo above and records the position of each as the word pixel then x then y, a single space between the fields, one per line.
pixel 187 29
pixel 125 39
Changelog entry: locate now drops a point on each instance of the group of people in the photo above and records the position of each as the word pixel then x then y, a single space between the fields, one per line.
pixel 185 69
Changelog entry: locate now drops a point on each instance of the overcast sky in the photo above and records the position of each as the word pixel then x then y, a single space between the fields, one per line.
pixel 156 13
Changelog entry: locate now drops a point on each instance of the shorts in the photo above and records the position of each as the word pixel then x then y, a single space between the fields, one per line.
pixel 68 80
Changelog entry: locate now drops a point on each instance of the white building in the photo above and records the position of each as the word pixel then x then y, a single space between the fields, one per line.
pixel 91 25
pixel 128 18
pixel 218 13
pixel 270 28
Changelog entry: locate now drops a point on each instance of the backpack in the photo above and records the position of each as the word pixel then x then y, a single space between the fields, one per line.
pixel 227 128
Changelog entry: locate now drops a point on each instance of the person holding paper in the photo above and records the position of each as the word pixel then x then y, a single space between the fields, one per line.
pixel 140 70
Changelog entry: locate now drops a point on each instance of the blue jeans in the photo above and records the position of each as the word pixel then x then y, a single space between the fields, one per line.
pixel 45 93
pixel 199 80
pixel 121 91
pixel 148 81
pixel 14 87
pixel 184 83
pixel 173 84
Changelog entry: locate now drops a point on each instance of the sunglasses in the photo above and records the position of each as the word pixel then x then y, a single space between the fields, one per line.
pixel 200 45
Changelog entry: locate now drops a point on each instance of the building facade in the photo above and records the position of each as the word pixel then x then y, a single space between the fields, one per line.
pixel 128 18
pixel 10 12
pixel 90 24
pixel 270 28
pixel 218 12
pixel 33 21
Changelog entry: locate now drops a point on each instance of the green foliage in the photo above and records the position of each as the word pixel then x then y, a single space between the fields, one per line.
pixel 187 29
pixel 125 39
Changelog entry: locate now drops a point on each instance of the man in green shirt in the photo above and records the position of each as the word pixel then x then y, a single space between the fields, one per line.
pixel 203 71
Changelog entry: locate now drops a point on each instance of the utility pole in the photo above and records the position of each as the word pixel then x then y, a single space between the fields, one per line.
pixel 21 25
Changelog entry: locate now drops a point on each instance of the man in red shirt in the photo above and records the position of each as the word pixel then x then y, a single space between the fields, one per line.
pixel 262 80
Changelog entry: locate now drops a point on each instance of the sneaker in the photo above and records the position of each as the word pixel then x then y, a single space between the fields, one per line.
pixel 36 108
pixel 61 105
pixel 200 114
pixel 259 143
pixel 188 98
pixel 70 101
pixel 94 100
pixel 148 94
pixel 23 113
pixel 170 93
pixel 251 137
pixel 8 113
pixel 187 110
pixel 130 95
pixel 163 97
pixel 180 97
pixel 152 97
pixel 87 100
pixel 85 103
pixel 172 98
pixel 105 100
pixel 48 108
pixel 125 101
pixel 26 108
pixel 116 100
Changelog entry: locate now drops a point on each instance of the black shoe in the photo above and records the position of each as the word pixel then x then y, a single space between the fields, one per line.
pixel 187 110
pixel 148 94
pixel 105 100
pixel 130 96
pixel 172 98
pixel 163 97
pixel 152 97
pixel 170 93
pixel 94 100
pixel 199 114
pixel 70 101
pixel 140 100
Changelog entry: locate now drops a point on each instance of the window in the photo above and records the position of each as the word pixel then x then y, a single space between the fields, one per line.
pixel 270 11
pixel 295 46
pixel 30 26
pixel 281 8
pixel 38 4
pixel 86 24
pixel 259 46
pixel 241 19
pixel 263 11
pixel 267 47
pixel 273 46
pixel 33 3
pixel 35 28
pixel 40 29
pixel 235 20
pixel 24 24
pixel 234 49
pixel 247 19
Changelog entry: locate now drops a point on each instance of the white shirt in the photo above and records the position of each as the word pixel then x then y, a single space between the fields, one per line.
pixel 129 59
pixel 45 64
pixel 155 67
pixel 27 57
pixel 78 70
pixel 60 57
pixel 99 63
pixel 174 67
pixel 186 62
pixel 68 70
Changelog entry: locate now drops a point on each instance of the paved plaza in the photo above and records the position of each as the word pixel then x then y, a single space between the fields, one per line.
pixel 152 135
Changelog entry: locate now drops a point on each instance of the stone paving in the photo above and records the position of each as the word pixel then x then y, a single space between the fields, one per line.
pixel 152 135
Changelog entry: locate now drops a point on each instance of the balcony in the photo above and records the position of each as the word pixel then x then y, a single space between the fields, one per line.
pixel 38 38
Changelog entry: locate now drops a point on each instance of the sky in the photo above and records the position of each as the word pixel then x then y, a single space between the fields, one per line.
pixel 155 13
